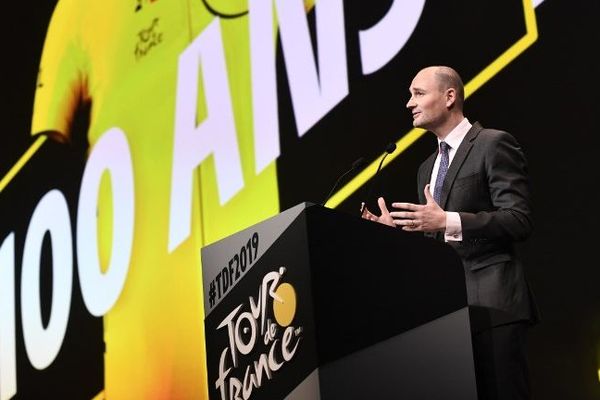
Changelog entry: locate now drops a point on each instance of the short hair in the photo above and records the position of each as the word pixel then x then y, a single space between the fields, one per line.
pixel 449 78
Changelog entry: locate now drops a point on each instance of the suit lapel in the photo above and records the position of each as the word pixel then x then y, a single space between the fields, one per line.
pixel 458 160
pixel 425 175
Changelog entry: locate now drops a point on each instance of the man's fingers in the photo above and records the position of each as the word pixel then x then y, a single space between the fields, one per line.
pixel 403 214
pixel 366 214
pixel 407 206
pixel 405 223
pixel 428 195
pixel 382 206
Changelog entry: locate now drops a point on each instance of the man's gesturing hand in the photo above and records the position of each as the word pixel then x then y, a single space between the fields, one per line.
pixel 384 218
pixel 427 217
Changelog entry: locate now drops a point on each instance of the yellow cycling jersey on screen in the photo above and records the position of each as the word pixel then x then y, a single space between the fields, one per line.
pixel 121 57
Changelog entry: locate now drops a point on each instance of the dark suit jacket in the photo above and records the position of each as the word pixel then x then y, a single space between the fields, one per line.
pixel 487 184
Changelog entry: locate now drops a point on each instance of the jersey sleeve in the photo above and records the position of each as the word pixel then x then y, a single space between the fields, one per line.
pixel 62 79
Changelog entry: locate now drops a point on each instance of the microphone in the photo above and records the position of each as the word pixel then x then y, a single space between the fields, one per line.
pixel 356 164
pixel 391 147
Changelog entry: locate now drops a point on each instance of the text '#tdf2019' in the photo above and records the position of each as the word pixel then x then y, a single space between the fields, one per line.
pixel 236 267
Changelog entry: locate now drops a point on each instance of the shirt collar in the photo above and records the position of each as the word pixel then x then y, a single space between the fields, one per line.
pixel 456 135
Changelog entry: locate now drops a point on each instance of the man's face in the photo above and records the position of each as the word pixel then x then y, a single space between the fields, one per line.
pixel 427 102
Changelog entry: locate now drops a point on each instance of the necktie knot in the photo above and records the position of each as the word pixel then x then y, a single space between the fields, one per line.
pixel 444 147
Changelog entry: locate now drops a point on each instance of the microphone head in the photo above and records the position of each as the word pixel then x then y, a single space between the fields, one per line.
pixel 390 148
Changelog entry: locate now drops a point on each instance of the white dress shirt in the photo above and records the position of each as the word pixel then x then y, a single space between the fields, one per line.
pixel 453 139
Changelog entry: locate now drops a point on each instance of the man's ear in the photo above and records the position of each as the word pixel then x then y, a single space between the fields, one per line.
pixel 450 97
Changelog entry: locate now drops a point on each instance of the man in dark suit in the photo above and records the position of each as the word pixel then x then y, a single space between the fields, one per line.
pixel 474 195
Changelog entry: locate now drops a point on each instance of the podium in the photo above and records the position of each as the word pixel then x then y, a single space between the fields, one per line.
pixel 318 304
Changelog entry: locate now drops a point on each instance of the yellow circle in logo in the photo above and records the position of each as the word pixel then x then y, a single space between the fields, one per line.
pixel 227 8
pixel 285 309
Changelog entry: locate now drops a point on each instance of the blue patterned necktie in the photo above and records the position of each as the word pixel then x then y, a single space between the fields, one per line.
pixel 444 162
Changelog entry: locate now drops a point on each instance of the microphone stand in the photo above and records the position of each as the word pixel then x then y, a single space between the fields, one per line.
pixel 388 150
pixel 355 164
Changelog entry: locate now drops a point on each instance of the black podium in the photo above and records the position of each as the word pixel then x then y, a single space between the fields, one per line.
pixel 318 304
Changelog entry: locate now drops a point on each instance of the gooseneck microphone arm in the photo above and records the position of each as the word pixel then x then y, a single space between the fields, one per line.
pixel 356 164
pixel 388 150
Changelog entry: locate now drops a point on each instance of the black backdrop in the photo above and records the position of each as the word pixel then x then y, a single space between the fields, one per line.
pixel 547 97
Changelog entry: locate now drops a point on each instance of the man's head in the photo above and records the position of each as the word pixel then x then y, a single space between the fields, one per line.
pixel 437 97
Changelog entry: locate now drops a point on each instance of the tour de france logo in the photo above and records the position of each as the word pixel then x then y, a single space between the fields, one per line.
pixel 258 347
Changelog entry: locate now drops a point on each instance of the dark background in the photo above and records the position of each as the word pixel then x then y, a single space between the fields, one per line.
pixel 547 97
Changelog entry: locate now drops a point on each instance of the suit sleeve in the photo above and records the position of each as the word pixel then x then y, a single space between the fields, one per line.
pixel 509 217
